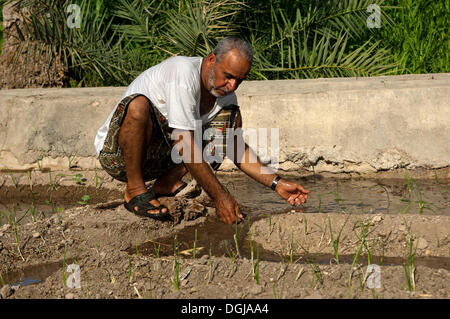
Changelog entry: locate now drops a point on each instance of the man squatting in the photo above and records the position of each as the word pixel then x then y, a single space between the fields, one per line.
pixel 159 112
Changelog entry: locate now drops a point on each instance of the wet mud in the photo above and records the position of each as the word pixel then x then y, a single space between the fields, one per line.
pixel 323 249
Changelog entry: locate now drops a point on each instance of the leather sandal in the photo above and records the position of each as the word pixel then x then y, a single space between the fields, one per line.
pixel 142 203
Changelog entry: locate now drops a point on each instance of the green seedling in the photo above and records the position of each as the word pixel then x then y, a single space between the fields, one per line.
pixel 291 247
pixel 409 266
pixel 157 249
pixel 70 158
pixel 275 295
pixel 32 209
pixel 39 162
pixel 235 236
pixel 30 180
pixel 257 265
pixel 176 265
pixel 137 248
pixel 97 183
pixel 2 282
pixel 53 186
pixel 78 179
pixel 195 244
pixel 13 179
pixel 305 225
pixel 320 203
pixel 16 234
pixel 317 274
pixel 362 237
pixel 422 205
pixel 369 251
pixel 281 239
pixel 251 245
pixel 150 296
pixel 210 273
pixel 130 271
pixel 270 225
pixel 336 241
pixel 84 199
pixel 64 268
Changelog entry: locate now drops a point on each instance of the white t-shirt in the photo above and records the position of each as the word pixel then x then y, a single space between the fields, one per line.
pixel 173 86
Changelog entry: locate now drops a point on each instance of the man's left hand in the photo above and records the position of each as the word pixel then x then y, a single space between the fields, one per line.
pixel 294 193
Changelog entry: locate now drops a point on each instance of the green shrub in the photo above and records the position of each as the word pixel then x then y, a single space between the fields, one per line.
pixel 119 39
pixel 418 40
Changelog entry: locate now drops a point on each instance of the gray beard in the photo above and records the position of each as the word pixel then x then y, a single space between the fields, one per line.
pixel 211 81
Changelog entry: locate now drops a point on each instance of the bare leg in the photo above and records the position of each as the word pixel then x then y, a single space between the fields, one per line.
pixel 171 181
pixel 134 136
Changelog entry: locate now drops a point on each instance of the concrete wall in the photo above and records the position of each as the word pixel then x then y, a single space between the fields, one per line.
pixel 334 125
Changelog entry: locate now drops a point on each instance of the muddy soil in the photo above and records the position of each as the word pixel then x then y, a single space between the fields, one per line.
pixel 294 250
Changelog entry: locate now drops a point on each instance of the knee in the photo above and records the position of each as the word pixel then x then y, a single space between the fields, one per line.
pixel 139 109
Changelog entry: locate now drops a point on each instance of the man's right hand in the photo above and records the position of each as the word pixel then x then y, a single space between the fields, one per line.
pixel 227 208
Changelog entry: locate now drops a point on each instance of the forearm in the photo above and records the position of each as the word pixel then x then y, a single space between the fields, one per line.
pixel 197 166
pixel 251 165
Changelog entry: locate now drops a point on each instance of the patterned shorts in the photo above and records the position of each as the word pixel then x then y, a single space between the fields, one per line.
pixel 158 154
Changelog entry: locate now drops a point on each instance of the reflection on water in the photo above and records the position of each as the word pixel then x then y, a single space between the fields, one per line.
pixel 362 196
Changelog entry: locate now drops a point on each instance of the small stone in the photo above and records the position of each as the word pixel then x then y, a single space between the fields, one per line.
pixel 192 290
pixel 442 271
pixel 35 234
pixel 15 287
pixel 377 219
pixel 185 273
pixel 6 291
pixel 141 263
pixel 204 259
pixel 422 243
pixel 256 290
pixel 70 296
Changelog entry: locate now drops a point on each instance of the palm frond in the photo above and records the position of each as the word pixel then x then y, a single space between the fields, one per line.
pixel 193 29
pixel 45 35
pixel 326 57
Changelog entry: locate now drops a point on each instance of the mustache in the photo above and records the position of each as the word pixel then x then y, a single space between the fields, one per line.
pixel 222 88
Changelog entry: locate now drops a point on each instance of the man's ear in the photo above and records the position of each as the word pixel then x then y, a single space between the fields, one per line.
pixel 211 59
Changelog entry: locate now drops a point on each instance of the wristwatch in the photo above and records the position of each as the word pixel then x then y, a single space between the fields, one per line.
pixel 275 182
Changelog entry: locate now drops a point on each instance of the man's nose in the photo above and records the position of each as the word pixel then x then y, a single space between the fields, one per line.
pixel 232 85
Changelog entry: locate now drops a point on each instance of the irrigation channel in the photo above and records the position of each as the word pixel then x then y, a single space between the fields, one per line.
pixel 345 220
